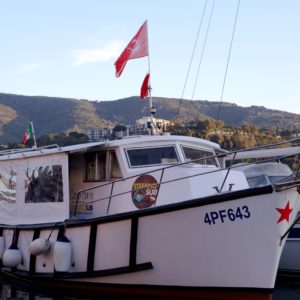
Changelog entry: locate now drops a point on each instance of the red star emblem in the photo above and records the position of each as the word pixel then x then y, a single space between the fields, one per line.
pixel 284 213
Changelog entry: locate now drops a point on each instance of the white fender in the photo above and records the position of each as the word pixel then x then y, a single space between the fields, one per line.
pixel 62 255
pixel 39 246
pixel 2 246
pixel 12 257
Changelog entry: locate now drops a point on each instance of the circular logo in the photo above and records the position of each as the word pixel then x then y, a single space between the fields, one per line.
pixel 144 191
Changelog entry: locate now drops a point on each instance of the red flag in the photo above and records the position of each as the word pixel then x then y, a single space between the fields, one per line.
pixel 145 87
pixel 137 47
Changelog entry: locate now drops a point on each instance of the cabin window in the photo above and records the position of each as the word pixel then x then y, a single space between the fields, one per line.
pixel 95 166
pixel 152 156
pixel 202 157
pixel 263 180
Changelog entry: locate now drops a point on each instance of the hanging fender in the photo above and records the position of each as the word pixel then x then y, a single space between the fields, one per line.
pixel 12 256
pixel 62 254
pixel 39 246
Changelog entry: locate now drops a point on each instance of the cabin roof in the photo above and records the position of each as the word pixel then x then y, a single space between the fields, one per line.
pixel 51 149
pixel 131 140
pixel 135 140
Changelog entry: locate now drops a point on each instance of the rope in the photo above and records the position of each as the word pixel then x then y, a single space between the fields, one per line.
pixel 192 57
pixel 204 44
pixel 228 59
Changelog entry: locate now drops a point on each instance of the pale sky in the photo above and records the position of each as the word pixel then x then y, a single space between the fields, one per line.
pixel 67 48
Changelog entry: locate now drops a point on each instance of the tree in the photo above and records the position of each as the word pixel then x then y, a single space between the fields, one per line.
pixel 62 139
pixel 119 127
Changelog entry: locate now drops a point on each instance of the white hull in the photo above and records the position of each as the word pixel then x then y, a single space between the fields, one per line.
pixel 173 244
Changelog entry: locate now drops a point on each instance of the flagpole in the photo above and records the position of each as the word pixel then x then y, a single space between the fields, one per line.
pixel 33 135
pixel 151 108
pixel 139 47
pixel 149 84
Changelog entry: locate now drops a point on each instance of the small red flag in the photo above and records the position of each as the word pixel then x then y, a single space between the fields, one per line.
pixel 145 87
pixel 137 47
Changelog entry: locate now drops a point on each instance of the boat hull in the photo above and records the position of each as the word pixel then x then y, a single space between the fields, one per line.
pixel 227 241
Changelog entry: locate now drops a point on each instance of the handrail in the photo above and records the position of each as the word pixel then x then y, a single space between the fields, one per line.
pixel 266 146
pixel 111 194
pixel 161 182
pixel 228 170
pixel 26 150
pixel 221 155
pixel 174 180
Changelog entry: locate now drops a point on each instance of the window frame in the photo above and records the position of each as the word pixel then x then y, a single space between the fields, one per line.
pixel 217 164
pixel 109 167
pixel 96 153
pixel 151 147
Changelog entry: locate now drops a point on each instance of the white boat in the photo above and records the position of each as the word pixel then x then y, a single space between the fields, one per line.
pixel 148 214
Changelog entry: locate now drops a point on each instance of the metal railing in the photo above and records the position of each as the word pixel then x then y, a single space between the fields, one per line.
pixel 231 166
pixel 9 152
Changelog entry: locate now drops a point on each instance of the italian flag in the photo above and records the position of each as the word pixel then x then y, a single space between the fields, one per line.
pixel 28 133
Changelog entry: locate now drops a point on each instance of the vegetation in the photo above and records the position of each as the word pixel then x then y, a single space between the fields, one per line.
pixel 229 137
pixel 62 139
pixel 57 117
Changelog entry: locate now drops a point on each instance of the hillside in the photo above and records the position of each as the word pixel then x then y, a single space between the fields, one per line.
pixel 49 114
pixel 56 115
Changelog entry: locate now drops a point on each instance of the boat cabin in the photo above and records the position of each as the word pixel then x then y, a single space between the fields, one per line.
pixel 97 179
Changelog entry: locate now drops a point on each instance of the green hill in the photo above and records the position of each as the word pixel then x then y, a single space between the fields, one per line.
pixel 57 115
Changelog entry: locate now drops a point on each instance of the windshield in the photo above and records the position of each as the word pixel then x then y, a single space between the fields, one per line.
pixel 152 156
pixel 203 157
